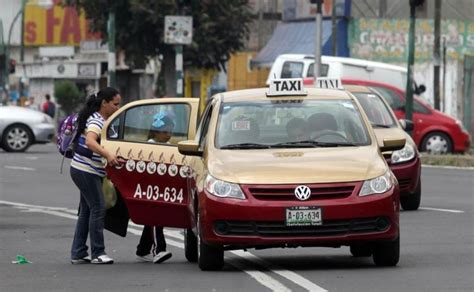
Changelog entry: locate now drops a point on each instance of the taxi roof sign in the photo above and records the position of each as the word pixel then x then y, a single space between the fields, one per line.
pixel 289 86
pixel 329 83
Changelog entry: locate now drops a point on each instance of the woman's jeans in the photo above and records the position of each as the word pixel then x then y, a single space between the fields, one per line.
pixel 91 215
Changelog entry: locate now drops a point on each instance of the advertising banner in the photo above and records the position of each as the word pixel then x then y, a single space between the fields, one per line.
pixel 386 40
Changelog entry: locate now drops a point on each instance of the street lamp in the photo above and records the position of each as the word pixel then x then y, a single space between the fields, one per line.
pixel 45 4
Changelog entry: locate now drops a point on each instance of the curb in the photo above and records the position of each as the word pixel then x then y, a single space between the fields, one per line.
pixel 448 167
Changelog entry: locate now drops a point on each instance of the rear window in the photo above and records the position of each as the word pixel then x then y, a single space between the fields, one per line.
pixel 292 69
pixel 324 70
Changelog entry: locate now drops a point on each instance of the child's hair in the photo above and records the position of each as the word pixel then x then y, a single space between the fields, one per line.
pixel 93 104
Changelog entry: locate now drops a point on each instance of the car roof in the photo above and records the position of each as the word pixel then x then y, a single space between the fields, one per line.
pixel 344 60
pixel 260 94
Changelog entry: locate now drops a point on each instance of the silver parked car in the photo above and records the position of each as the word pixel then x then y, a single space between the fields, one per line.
pixel 21 127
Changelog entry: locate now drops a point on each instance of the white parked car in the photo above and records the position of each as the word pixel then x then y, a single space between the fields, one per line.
pixel 21 127
pixel 301 66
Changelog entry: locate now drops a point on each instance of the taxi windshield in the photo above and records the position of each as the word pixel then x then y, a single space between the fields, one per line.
pixel 376 110
pixel 290 124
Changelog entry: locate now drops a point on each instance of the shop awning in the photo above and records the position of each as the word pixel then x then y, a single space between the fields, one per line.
pixel 294 38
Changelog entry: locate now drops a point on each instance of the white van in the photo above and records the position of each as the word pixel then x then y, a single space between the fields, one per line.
pixel 301 66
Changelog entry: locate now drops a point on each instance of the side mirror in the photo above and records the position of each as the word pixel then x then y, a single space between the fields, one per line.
pixel 393 144
pixel 407 125
pixel 189 147
pixel 420 89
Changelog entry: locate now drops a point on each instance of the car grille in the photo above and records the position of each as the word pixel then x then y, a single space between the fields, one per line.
pixel 279 229
pixel 286 193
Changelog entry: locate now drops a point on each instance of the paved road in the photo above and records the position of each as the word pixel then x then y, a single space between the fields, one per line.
pixel 37 206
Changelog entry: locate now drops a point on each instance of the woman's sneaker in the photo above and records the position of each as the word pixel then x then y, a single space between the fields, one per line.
pixel 84 260
pixel 161 257
pixel 102 260
pixel 145 258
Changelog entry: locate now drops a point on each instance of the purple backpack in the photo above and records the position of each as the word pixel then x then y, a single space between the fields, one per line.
pixel 67 132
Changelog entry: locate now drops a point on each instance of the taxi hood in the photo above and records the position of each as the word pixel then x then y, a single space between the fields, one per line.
pixel 288 166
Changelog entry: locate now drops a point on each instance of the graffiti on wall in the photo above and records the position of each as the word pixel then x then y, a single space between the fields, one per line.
pixel 387 40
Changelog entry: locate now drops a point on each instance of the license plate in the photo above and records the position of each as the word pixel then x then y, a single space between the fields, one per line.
pixel 303 216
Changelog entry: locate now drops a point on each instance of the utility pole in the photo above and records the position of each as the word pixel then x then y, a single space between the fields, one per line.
pixel 334 29
pixel 22 51
pixel 112 81
pixel 382 8
pixel 411 59
pixel 436 54
pixel 318 39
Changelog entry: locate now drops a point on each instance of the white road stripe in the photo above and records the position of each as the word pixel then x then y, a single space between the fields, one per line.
pixel 31 157
pixel 19 168
pixel 441 210
pixel 292 276
pixel 260 277
pixel 448 167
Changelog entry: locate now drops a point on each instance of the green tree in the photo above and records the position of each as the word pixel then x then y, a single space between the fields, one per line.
pixel 220 28
pixel 68 95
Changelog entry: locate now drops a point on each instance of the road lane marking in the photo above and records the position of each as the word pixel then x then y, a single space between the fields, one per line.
pixel 448 167
pixel 31 157
pixel 260 277
pixel 19 168
pixel 441 210
pixel 290 275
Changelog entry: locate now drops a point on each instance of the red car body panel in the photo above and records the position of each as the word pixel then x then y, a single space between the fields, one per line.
pixel 425 123
pixel 259 213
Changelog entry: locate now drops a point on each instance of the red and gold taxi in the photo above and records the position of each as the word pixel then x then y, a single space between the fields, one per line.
pixel 405 163
pixel 281 166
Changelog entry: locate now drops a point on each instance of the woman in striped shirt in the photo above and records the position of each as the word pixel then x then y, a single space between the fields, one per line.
pixel 87 172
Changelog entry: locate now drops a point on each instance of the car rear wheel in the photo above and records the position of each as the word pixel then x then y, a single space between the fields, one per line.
pixel 437 143
pixel 360 250
pixel 412 201
pixel 190 245
pixel 17 138
pixel 210 257
pixel 387 253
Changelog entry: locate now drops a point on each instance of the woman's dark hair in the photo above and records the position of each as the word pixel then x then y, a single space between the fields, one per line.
pixel 93 105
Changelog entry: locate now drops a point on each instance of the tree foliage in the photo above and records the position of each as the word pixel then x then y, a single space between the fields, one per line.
pixel 67 95
pixel 220 27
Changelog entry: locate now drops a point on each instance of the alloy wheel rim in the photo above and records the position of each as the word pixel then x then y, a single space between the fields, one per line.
pixel 437 145
pixel 17 138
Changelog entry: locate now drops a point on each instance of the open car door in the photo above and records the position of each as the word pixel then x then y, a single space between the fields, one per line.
pixel 153 181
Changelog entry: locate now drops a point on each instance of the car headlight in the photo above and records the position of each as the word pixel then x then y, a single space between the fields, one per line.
pixel 461 125
pixel 377 185
pixel 407 153
pixel 223 189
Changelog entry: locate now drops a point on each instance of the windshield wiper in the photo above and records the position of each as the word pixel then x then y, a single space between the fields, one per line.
pixel 245 146
pixel 311 144
pixel 380 126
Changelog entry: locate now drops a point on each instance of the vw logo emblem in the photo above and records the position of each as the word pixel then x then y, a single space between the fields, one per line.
pixel 302 193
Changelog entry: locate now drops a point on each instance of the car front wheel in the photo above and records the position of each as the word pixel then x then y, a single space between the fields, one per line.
pixel 412 201
pixel 17 138
pixel 190 245
pixel 387 253
pixel 210 257
pixel 437 143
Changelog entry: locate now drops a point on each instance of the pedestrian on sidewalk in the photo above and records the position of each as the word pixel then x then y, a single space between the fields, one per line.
pixel 48 106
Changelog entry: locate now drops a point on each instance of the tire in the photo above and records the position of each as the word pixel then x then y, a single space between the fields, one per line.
pixel 411 201
pixel 437 143
pixel 17 138
pixel 359 250
pixel 387 254
pixel 190 246
pixel 210 257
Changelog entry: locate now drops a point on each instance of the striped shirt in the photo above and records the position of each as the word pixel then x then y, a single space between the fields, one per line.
pixel 94 164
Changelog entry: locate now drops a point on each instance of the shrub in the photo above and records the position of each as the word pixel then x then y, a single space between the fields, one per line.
pixel 68 96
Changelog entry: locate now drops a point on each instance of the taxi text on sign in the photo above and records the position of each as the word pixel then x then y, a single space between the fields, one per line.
pixel 56 26
pixel 291 86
